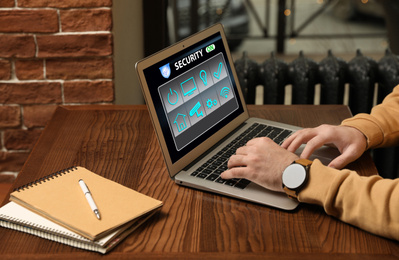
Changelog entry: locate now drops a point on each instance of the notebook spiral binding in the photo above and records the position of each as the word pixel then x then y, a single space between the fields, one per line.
pixel 46 178
pixel 38 227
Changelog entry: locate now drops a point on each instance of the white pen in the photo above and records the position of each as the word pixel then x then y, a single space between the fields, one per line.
pixel 89 198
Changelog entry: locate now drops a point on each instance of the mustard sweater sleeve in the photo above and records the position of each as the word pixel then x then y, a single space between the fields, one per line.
pixel 370 203
pixel 381 126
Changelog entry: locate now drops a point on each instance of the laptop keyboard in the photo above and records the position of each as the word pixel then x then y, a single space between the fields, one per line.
pixel 212 169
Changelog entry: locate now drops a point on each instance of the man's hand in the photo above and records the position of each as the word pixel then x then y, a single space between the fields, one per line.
pixel 349 141
pixel 261 161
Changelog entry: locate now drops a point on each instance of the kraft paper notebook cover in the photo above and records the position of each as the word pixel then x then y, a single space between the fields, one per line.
pixel 59 198
pixel 14 216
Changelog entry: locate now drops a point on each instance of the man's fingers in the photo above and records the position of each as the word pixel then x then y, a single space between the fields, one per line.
pixel 236 161
pixel 311 146
pixel 237 172
pixel 344 159
pixel 298 138
pixel 338 163
pixel 288 141
pixel 295 144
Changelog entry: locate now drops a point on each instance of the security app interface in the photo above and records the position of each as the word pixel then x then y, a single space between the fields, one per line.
pixel 198 95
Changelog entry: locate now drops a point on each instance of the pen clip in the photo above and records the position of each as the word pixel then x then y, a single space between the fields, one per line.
pixel 84 186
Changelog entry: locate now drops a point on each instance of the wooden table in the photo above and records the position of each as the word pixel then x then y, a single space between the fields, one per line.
pixel 119 143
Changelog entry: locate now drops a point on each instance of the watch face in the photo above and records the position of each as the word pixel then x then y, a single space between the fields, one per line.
pixel 294 176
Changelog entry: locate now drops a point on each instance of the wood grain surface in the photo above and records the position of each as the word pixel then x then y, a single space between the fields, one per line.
pixel 119 143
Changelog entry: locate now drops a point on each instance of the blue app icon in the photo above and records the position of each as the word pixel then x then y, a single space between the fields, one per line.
pixel 180 122
pixel 173 96
pixel 225 92
pixel 219 71
pixel 194 110
pixel 188 86
pixel 165 71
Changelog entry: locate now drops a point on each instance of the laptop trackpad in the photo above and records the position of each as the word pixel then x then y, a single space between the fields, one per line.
pixel 325 154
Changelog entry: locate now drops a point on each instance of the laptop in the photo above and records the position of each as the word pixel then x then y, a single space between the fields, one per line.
pixel 200 116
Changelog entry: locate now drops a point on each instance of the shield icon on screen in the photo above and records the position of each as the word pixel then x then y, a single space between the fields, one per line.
pixel 165 71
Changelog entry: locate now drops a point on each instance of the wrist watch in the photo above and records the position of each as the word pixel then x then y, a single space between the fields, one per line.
pixel 295 177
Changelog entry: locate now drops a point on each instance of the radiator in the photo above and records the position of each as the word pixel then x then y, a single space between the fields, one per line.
pixel 360 83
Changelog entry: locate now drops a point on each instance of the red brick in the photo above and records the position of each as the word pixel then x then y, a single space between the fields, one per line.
pixel 29 21
pixel 12 161
pixel 38 115
pixel 7 3
pixel 85 68
pixel 30 93
pixel 64 3
pixel 74 45
pixel 17 46
pixel 10 116
pixel 5 70
pixel 20 139
pixel 88 91
pixel 84 20
pixel 29 69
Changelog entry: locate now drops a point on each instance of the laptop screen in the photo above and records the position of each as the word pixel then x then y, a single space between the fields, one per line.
pixel 194 94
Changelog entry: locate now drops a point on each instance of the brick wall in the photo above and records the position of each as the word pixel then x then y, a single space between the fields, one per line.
pixel 52 52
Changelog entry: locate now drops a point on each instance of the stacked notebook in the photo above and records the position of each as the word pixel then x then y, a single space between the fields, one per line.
pixel 55 208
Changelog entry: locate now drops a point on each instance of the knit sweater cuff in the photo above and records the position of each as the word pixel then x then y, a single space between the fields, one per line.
pixel 316 190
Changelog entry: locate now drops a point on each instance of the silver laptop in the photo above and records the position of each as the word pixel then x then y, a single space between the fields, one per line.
pixel 200 116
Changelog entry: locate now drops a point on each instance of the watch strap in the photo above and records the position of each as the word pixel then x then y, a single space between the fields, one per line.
pixel 304 162
pixel 290 193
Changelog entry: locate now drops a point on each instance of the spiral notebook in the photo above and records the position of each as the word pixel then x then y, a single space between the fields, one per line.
pixel 59 198
pixel 14 216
